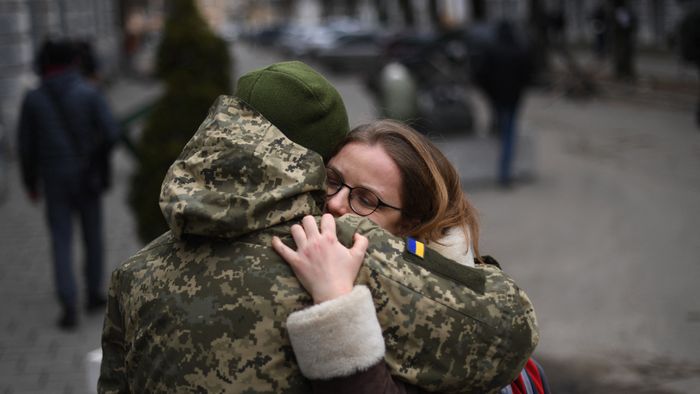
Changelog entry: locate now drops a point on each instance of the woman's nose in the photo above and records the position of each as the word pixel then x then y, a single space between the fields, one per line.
pixel 337 204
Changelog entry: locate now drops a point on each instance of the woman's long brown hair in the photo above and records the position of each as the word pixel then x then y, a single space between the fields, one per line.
pixel 432 199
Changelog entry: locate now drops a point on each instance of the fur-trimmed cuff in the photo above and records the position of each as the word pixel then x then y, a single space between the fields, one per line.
pixel 338 337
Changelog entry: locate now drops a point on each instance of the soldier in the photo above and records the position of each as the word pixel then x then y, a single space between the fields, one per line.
pixel 203 307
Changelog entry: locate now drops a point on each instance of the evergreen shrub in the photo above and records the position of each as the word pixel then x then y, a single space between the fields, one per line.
pixel 195 67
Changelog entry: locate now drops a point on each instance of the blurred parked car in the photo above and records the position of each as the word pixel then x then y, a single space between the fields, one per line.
pixel 310 40
pixel 356 52
pixel 301 41
pixel 265 36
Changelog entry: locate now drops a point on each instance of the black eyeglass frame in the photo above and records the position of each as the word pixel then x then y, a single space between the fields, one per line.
pixel 342 184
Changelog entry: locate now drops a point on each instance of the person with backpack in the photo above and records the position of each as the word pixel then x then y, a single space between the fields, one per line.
pixel 65 134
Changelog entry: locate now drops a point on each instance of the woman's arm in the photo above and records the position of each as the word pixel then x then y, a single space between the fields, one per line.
pixel 338 342
pixel 339 345
pixel 448 327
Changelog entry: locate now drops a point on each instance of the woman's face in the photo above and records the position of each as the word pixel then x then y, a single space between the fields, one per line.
pixel 369 167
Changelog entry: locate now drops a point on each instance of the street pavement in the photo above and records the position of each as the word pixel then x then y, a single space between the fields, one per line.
pixel 604 239
pixel 602 236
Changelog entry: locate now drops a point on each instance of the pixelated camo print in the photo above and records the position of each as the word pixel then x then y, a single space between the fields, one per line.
pixel 203 307
pixel 439 334
pixel 239 174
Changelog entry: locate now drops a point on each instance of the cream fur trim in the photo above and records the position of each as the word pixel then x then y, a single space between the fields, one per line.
pixel 454 247
pixel 337 337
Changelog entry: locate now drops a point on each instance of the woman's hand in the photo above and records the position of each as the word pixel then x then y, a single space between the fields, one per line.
pixel 325 267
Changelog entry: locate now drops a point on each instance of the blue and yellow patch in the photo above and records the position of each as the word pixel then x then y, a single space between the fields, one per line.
pixel 415 247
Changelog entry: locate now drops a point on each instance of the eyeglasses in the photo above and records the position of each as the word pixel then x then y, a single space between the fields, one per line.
pixel 362 201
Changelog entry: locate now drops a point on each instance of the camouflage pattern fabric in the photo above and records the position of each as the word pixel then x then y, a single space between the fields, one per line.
pixel 203 307
pixel 447 327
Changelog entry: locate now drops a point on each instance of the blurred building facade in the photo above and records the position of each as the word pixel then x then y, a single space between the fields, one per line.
pixel 24 24
pixel 118 28
pixel 657 19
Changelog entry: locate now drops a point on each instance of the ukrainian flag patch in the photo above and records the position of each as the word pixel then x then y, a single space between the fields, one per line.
pixel 415 247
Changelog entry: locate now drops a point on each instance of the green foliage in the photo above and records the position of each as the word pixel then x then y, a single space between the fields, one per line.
pixel 195 66
pixel 189 49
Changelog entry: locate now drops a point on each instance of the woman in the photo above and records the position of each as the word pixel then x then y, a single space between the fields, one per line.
pixel 397 178
pixel 413 173
pixel 394 176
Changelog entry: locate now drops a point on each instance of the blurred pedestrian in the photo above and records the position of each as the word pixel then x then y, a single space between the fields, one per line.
pixel 556 27
pixel 65 134
pixel 623 22
pixel 689 34
pixel 503 74
pixel 599 21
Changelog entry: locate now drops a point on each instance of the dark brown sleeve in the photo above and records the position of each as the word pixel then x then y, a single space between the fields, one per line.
pixel 374 380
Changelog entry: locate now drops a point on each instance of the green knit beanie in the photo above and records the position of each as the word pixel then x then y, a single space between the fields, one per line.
pixel 300 102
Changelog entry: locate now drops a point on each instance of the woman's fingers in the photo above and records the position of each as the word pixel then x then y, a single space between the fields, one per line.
pixel 287 253
pixel 359 246
pixel 310 227
pixel 299 236
pixel 328 226
pixel 324 266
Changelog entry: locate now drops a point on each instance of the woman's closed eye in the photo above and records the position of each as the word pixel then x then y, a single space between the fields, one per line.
pixel 333 184
pixel 366 198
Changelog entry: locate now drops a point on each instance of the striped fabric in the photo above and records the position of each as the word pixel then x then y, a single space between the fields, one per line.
pixel 532 380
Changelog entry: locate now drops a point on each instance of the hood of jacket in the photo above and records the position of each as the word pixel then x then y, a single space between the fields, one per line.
pixel 239 174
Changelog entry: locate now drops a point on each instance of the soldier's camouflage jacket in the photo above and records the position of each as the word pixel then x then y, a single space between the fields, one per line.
pixel 203 307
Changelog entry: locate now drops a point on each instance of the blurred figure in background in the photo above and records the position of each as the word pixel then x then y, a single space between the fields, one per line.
pixel 503 74
pixel 689 31
pixel 623 26
pixel 599 20
pixel 66 131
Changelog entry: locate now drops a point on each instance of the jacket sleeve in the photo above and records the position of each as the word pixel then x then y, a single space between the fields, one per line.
pixel 446 327
pixel 113 369
pixel 339 346
pixel 27 145
pixel 373 380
